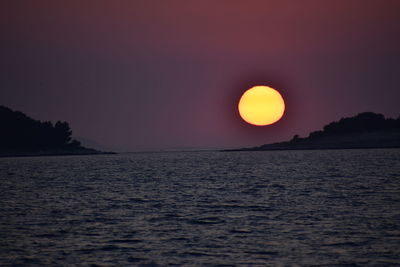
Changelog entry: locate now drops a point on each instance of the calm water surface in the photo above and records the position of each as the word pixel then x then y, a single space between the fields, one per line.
pixel 338 207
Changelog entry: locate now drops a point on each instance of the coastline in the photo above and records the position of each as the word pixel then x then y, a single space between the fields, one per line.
pixel 54 153
pixel 308 148
pixel 366 140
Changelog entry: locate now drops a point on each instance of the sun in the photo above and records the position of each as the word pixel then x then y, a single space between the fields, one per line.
pixel 261 105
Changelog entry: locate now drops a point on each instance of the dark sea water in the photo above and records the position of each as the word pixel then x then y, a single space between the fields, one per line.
pixel 283 208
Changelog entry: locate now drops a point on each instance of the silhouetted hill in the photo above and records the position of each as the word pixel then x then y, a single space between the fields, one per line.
pixel 366 130
pixel 21 135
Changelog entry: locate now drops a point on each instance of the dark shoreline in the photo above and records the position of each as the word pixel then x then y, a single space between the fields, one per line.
pixel 53 153
pixel 365 131
pixel 309 148
pixel 371 140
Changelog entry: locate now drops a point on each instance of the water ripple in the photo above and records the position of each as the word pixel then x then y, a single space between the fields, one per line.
pixel 282 208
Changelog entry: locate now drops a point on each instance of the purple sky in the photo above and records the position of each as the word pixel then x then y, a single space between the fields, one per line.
pixel 135 75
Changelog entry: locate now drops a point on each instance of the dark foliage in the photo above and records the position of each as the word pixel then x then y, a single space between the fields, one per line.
pixel 363 122
pixel 366 130
pixel 19 132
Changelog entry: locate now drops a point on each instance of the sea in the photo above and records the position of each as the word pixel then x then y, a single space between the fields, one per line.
pixel 202 208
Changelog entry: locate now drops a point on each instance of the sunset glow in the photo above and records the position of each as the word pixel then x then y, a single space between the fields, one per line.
pixel 261 105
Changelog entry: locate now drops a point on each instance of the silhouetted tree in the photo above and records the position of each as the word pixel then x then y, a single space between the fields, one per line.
pixel 363 122
pixel 62 132
pixel 367 121
pixel 295 138
pixel 20 132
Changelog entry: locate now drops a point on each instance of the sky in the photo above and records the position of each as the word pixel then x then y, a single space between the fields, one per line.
pixel 149 75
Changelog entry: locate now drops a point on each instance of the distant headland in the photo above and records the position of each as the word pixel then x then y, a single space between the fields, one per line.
pixel 21 135
pixel 366 130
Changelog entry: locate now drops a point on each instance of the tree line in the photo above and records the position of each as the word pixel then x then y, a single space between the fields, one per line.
pixel 363 122
pixel 18 132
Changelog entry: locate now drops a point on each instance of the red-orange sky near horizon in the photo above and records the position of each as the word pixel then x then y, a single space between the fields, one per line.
pixel 135 75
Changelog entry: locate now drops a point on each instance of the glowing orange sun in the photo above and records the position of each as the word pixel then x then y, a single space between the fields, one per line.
pixel 261 105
